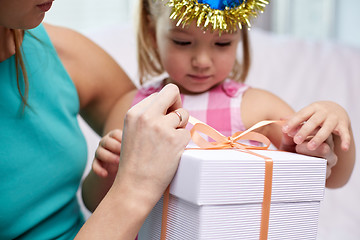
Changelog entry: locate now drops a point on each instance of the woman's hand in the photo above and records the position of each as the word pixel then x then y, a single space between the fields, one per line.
pixel 154 139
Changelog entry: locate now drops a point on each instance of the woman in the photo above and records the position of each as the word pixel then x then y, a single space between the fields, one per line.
pixel 49 75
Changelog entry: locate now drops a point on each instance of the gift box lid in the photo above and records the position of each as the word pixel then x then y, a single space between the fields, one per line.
pixel 211 177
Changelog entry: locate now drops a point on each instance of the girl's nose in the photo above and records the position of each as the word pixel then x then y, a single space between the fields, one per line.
pixel 201 59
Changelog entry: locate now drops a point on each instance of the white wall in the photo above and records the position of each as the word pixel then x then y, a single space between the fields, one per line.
pixel 335 20
pixel 90 15
pixel 349 21
pixel 320 19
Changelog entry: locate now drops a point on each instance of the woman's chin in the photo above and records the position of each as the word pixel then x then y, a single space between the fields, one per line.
pixel 33 23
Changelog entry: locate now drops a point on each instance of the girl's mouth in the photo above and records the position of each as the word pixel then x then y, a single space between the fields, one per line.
pixel 199 77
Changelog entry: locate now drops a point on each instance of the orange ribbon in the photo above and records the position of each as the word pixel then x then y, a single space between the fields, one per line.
pixel 223 142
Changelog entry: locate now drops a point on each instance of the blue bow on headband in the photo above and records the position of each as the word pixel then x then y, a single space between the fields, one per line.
pixel 219 15
pixel 221 4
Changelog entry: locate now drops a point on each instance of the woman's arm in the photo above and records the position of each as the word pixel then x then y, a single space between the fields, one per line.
pixel 95 187
pixel 145 169
pixel 100 83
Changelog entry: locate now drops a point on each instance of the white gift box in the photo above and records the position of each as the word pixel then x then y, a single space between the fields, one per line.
pixel 218 194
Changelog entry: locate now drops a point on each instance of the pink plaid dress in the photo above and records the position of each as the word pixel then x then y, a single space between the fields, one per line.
pixel 219 107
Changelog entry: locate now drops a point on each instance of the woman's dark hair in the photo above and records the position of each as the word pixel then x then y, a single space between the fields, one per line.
pixel 20 66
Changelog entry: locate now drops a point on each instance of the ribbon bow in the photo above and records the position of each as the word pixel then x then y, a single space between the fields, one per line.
pixel 223 142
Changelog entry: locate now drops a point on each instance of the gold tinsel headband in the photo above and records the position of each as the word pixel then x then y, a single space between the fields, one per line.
pixel 221 15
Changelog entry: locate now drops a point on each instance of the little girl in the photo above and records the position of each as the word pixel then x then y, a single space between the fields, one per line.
pixel 201 61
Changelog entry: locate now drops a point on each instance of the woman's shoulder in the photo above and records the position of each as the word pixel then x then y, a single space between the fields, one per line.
pixel 72 45
pixel 98 78
pixel 63 39
pixel 81 57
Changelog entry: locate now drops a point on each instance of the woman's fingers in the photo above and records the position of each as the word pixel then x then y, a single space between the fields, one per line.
pixel 160 103
pixel 154 139
pixel 178 118
pixel 168 99
pixel 157 105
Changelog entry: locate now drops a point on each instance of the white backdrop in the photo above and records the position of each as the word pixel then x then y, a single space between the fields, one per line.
pixel 320 19
pixel 90 15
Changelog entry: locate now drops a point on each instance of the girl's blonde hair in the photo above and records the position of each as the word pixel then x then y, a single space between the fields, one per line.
pixel 148 57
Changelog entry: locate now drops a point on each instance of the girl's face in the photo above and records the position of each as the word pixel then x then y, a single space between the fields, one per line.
pixel 195 60
pixel 23 14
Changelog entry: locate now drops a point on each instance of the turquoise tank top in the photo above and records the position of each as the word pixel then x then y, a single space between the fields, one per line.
pixel 43 152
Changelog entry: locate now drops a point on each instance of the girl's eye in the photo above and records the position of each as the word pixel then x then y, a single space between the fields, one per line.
pixel 223 44
pixel 181 43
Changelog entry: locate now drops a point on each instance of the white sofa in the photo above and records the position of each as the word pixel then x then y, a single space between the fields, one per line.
pixel 298 71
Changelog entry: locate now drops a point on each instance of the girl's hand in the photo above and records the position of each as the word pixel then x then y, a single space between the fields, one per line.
pixel 311 132
pixel 107 154
pixel 322 118
pixel 325 150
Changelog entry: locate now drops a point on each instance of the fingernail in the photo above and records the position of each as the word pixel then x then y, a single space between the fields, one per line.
pixel 312 145
pixel 285 128
pixel 298 139
pixel 291 134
